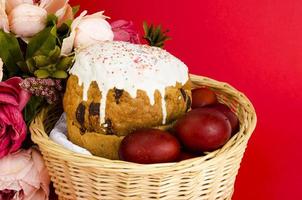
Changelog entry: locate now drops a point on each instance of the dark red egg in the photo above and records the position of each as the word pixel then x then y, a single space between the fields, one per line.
pixel 203 130
pixel 229 114
pixel 149 146
pixel 202 97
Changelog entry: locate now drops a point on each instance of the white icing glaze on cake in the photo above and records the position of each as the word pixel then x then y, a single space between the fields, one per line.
pixel 129 67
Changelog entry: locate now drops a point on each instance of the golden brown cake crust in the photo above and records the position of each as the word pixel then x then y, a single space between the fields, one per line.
pixel 98 144
pixel 123 114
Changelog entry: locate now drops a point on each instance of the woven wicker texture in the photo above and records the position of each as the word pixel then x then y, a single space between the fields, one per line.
pixel 211 177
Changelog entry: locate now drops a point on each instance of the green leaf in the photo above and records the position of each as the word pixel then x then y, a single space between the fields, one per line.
pixel 64 30
pixel 65 63
pixel 68 22
pixel 160 44
pixel 42 43
pixel 60 74
pixel 10 52
pixel 164 38
pixel 157 33
pixel 51 20
pixel 151 30
pixel 75 9
pixel 49 68
pixel 32 108
pixel 23 66
pixel 42 73
pixel 65 27
pixel 145 26
pixel 41 60
pixel 54 54
pixel 5 74
pixel 154 35
pixel 30 65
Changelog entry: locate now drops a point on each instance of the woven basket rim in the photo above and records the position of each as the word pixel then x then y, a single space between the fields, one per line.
pixel 82 160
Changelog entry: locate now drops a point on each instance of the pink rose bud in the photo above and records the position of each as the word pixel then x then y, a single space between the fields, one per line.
pixel 124 31
pixel 27 20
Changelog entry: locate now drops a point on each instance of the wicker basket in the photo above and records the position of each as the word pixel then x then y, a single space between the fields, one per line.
pixel 212 176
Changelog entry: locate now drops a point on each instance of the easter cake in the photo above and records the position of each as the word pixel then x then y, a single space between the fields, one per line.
pixel 116 88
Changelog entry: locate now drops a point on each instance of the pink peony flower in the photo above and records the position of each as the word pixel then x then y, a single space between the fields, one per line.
pixel 12 126
pixel 23 176
pixel 86 30
pixel 124 31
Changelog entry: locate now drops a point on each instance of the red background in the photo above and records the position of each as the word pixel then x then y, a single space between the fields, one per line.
pixel 256 46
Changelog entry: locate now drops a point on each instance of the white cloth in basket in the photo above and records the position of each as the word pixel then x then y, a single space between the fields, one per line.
pixel 59 136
